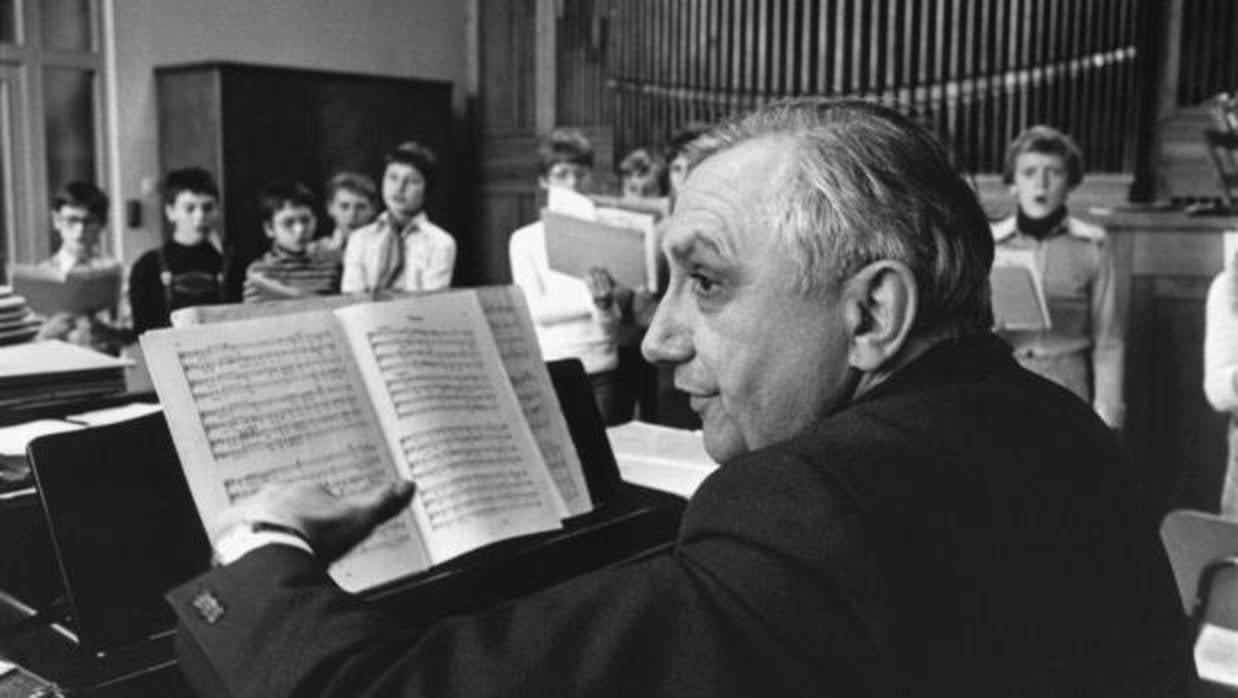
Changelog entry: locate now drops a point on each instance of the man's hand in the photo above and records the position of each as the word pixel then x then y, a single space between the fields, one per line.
pixel 332 525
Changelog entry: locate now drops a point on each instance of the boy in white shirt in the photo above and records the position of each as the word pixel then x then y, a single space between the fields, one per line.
pixel 574 318
pixel 79 214
pixel 401 250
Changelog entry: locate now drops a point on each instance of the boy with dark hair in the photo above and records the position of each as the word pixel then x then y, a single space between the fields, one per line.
pixel 565 159
pixel 352 201
pixel 402 249
pixel 1084 350
pixel 79 214
pixel 187 269
pixel 291 269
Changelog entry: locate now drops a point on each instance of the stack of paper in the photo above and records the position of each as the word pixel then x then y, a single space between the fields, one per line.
pixel 17 323
pixel 112 415
pixel 15 475
pixel 40 373
pixel 671 460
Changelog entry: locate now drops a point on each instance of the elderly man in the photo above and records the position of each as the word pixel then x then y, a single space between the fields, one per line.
pixel 901 510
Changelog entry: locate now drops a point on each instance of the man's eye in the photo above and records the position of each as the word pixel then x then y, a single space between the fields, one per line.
pixel 703 285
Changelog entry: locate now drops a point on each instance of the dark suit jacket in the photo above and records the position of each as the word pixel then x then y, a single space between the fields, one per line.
pixel 964 529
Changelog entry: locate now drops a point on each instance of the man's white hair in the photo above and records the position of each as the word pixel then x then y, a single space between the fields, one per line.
pixel 866 184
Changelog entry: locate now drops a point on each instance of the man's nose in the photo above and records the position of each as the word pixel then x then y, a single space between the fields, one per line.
pixel 669 338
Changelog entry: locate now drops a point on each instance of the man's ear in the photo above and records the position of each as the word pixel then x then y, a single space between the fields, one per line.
pixel 880 303
pixel 543 183
pixel 269 229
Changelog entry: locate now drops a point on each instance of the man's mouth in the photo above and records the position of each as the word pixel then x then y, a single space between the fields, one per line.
pixel 699 402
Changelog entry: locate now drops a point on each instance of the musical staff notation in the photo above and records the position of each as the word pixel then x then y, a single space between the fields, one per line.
pixel 271 394
pixel 523 363
pixel 430 370
pixel 466 471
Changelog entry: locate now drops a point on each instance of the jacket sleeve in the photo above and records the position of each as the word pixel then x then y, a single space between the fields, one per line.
pixel 737 609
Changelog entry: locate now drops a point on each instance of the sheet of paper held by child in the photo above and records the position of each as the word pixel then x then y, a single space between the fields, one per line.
pixel 78 292
pixel 1018 293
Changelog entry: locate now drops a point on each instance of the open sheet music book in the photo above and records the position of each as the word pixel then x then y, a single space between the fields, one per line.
pixel 447 389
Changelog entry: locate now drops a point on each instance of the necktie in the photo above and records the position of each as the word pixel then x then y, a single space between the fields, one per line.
pixel 390 257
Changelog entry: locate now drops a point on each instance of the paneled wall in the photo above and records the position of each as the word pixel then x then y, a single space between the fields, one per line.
pixel 980 70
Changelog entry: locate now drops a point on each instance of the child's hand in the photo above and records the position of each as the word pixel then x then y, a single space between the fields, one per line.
pixel 57 326
pixel 602 287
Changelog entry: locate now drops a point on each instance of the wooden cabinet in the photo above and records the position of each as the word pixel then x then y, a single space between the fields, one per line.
pixel 1165 263
pixel 250 124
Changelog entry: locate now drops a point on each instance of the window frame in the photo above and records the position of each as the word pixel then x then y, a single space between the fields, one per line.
pixel 24 148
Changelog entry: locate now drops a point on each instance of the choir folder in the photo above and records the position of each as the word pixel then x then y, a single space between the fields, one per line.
pixel 1018 296
pixel 628 250
pixel 78 292
pixel 448 390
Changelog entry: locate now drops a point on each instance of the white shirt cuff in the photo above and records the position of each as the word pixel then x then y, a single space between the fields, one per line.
pixel 239 541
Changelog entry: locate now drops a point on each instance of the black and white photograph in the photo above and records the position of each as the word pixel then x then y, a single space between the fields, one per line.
pixel 735 348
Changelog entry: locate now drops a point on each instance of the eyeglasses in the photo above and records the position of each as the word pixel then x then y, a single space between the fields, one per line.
pixel 72 220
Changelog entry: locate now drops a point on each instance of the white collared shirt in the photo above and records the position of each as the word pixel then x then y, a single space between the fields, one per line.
pixel 568 323
pixel 429 256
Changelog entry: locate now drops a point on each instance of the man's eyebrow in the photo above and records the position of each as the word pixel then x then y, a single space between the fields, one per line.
pixel 684 246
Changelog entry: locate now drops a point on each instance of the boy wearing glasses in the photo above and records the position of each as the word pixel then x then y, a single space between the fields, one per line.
pixel 79 213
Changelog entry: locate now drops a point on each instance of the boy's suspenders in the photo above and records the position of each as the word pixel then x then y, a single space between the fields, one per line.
pixel 166 277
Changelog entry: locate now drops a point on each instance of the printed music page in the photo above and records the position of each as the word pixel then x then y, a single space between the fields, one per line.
pixel 508 316
pixel 278 400
pixel 449 412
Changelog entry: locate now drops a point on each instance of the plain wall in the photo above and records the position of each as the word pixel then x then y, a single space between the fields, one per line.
pixel 402 38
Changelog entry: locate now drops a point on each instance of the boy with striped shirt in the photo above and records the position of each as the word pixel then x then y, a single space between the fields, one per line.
pixel 290 269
